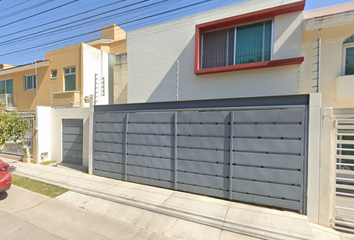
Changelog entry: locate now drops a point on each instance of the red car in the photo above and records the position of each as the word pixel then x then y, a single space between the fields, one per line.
pixel 5 176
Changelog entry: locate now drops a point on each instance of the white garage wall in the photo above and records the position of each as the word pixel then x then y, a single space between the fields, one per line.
pixel 95 62
pixel 57 116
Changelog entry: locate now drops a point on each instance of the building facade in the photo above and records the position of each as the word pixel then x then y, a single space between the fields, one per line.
pixel 66 76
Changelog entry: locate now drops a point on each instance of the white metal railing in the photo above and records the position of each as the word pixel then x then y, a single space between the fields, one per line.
pixel 344 207
pixel 8 100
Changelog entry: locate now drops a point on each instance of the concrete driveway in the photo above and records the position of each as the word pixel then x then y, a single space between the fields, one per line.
pixel 28 215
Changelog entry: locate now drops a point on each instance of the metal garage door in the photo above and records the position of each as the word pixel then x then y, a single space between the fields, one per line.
pixel 72 141
pixel 254 155
pixel 344 207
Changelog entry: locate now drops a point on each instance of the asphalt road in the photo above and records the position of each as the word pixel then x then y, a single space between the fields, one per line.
pixel 28 215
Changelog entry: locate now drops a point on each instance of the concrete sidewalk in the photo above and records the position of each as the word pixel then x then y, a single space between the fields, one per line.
pixel 171 213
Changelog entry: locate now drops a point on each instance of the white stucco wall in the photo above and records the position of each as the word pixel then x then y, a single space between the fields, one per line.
pixel 337 91
pixel 95 62
pixel 57 116
pixel 44 134
pixel 153 53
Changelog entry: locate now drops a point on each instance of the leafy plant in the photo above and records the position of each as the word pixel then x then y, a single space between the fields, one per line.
pixel 13 128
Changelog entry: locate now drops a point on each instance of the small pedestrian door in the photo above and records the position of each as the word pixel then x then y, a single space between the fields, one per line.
pixel 72 141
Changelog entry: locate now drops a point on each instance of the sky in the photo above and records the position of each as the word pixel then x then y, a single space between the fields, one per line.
pixel 29 28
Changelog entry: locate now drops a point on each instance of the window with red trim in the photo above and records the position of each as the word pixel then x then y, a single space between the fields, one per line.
pixel 237 45
pixel 241 42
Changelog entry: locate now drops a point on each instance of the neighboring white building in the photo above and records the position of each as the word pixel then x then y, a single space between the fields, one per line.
pixel 169 61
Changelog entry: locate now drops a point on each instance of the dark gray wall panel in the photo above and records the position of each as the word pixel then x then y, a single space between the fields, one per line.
pixel 268 175
pixel 278 115
pixel 166 175
pixel 269 145
pixel 72 160
pixel 111 167
pixel 72 146
pixel 157 140
pixel 108 174
pixel 109 147
pixel 204 168
pixel 268 160
pixel 204 129
pixel 110 117
pixel 267 152
pixel 267 189
pixel 110 127
pixel 204 142
pixel 110 137
pixel 72 154
pixel 204 155
pixel 204 117
pixel 149 118
pixel 72 130
pixel 72 123
pixel 72 138
pixel 150 128
pixel 162 163
pixel 152 151
pixel 109 157
pixel 203 180
pixel 268 130
pixel 204 191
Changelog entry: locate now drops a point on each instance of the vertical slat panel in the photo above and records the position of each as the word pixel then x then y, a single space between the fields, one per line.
pixel 176 152
pixel 232 117
pixel 126 147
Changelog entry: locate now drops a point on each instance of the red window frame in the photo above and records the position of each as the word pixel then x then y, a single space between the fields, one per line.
pixel 238 20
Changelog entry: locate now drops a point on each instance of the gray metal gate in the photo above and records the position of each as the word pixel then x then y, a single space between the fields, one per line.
pixel 254 155
pixel 344 207
pixel 72 141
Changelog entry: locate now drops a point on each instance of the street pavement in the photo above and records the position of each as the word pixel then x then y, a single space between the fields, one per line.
pixel 156 213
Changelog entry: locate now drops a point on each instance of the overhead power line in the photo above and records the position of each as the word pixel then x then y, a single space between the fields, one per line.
pixel 61 19
pixel 65 26
pixel 95 31
pixel 20 3
pixel 34 15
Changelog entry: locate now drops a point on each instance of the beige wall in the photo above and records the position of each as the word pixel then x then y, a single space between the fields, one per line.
pixel 119 46
pixel 63 58
pixel 337 90
pixel 26 99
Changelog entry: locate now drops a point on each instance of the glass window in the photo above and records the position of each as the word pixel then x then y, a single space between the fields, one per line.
pixel 9 88
pixel 349 61
pixel 70 79
pixel 30 82
pixel 6 86
pixel 54 74
pixel 2 87
pixel 237 45
pixel 349 56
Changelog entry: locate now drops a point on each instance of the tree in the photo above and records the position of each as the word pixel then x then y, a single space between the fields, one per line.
pixel 13 128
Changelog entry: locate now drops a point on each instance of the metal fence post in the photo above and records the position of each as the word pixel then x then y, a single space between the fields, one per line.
pixel 232 118
pixel 175 152
pixel 126 147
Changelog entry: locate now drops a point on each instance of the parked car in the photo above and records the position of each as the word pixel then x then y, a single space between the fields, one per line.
pixel 5 176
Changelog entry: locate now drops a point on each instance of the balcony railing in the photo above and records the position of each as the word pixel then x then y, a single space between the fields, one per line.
pixel 8 101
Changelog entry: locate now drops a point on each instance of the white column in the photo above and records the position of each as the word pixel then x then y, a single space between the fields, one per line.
pixel 314 137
